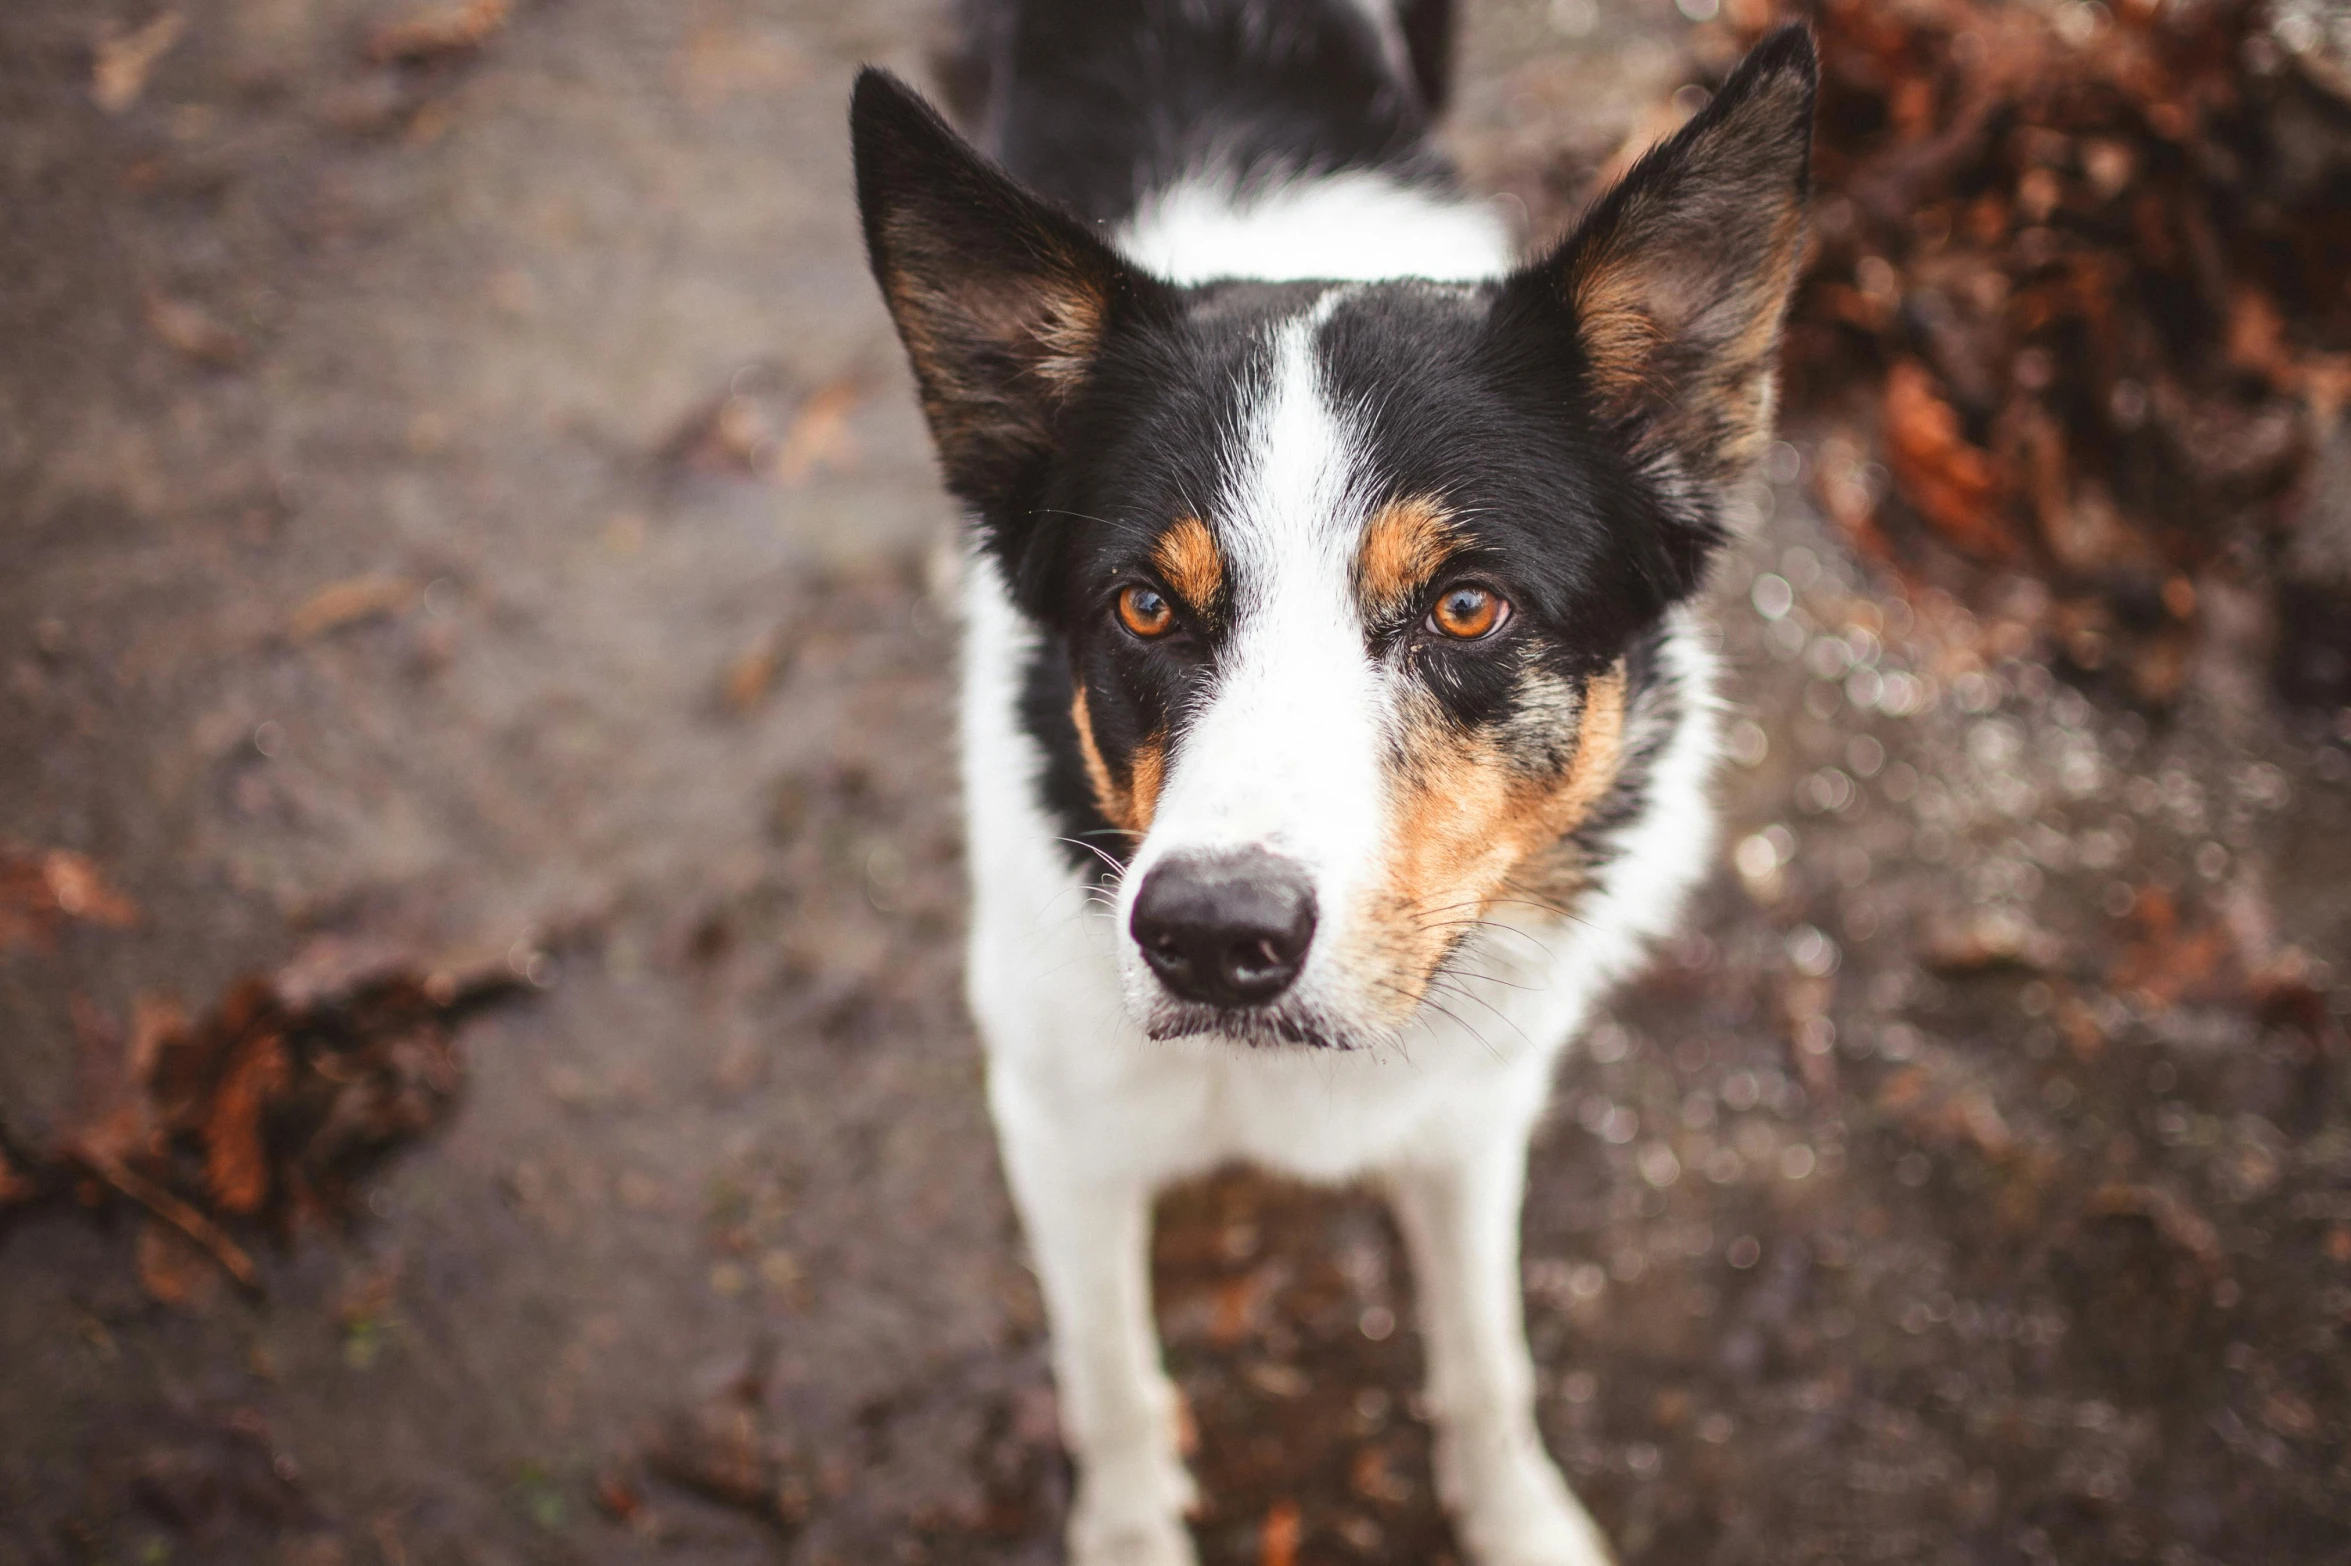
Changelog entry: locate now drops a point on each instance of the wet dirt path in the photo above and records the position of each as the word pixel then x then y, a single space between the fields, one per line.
pixel 471 505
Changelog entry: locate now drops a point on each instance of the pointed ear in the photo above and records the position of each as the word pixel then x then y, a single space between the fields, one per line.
pixel 1679 278
pixel 1001 299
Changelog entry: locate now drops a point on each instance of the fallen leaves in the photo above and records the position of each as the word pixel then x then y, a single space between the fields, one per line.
pixel 268 1110
pixel 2171 1215
pixel 438 32
pixel 723 1451
pixel 188 329
pixel 1277 1541
pixel 1989 941
pixel 40 892
pixel 819 437
pixel 753 672
pixel 2169 960
pixel 2064 267
pixel 747 433
pixel 1953 483
pixel 349 602
pixel 118 76
pixel 174 1269
pixel 14 1187
pixel 1936 1107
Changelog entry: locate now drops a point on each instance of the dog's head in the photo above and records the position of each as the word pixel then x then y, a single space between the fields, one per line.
pixel 1345 583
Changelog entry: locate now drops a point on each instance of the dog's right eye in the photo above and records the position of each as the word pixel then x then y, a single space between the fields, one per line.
pixel 1145 612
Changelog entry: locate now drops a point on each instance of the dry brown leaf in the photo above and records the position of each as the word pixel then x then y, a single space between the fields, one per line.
pixel 163 1204
pixel 1277 1541
pixel 2168 960
pixel 38 894
pixel 1953 484
pixel 1989 942
pixel 14 1187
pixel 369 1296
pixel 753 673
pixel 2173 1218
pixel 189 329
pixel 156 1021
pixel 348 602
pixel 730 434
pixel 124 62
pixel 236 1157
pixel 80 892
pixel 173 1269
pixel 28 910
pixel 438 31
pixel 617 1495
pixel 819 436
pixel 718 1452
pixel 1938 1110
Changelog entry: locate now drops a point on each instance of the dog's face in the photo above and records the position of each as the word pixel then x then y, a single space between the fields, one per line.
pixel 1349 591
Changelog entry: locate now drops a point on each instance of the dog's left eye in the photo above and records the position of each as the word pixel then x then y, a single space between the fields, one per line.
pixel 1143 611
pixel 1468 612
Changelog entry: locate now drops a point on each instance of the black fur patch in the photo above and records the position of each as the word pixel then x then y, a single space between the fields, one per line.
pixel 1096 103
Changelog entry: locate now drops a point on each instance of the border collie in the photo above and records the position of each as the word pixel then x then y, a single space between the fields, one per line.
pixel 1334 728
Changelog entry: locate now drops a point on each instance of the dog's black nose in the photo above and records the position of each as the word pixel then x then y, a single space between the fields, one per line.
pixel 1228 929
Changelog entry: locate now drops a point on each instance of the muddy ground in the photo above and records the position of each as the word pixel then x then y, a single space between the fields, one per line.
pixel 461 504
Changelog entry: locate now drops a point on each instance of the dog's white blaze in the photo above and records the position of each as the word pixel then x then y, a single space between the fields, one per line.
pixel 1285 754
pixel 1353 227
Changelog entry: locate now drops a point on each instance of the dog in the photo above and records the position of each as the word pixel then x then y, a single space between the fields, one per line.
pixel 1335 730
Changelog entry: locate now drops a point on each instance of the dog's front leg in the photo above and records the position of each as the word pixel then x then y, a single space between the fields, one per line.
pixel 1090 1231
pixel 1459 1210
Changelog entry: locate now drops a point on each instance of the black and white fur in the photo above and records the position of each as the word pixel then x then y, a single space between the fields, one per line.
pixel 1304 873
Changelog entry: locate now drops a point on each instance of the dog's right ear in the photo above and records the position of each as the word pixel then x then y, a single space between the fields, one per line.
pixel 1001 299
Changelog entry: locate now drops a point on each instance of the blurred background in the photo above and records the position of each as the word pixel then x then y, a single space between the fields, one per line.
pixel 482 1076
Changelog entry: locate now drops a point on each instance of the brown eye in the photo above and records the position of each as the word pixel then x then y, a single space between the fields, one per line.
pixel 1144 612
pixel 1466 613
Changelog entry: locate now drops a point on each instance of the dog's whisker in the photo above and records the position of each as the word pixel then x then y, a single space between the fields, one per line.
pixel 1117 869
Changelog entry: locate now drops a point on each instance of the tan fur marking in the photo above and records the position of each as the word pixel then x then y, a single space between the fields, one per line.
pixel 1611 302
pixel 1131 805
pixel 1402 548
pixel 1467 821
pixel 1186 555
pixel 1046 328
pixel 1145 778
pixel 1635 309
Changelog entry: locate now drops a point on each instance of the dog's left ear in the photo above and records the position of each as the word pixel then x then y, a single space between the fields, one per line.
pixel 1001 299
pixel 1680 277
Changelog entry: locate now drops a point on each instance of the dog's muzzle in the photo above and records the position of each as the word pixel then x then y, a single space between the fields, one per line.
pixel 1225 929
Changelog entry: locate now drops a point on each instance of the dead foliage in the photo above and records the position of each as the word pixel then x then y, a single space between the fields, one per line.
pixel 124 61
pixel 2078 268
pixel 723 1451
pixel 350 602
pixel 760 428
pixel 1277 1542
pixel 194 331
pixel 263 1114
pixel 41 892
pixel 438 32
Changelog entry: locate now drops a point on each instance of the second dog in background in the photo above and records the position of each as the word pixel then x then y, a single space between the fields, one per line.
pixel 1334 733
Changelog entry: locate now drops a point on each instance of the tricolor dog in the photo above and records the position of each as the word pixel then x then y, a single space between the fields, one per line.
pixel 1334 729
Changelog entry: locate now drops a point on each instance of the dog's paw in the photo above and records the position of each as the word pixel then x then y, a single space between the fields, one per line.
pixel 1131 1513
pixel 1100 1539
pixel 1512 1508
